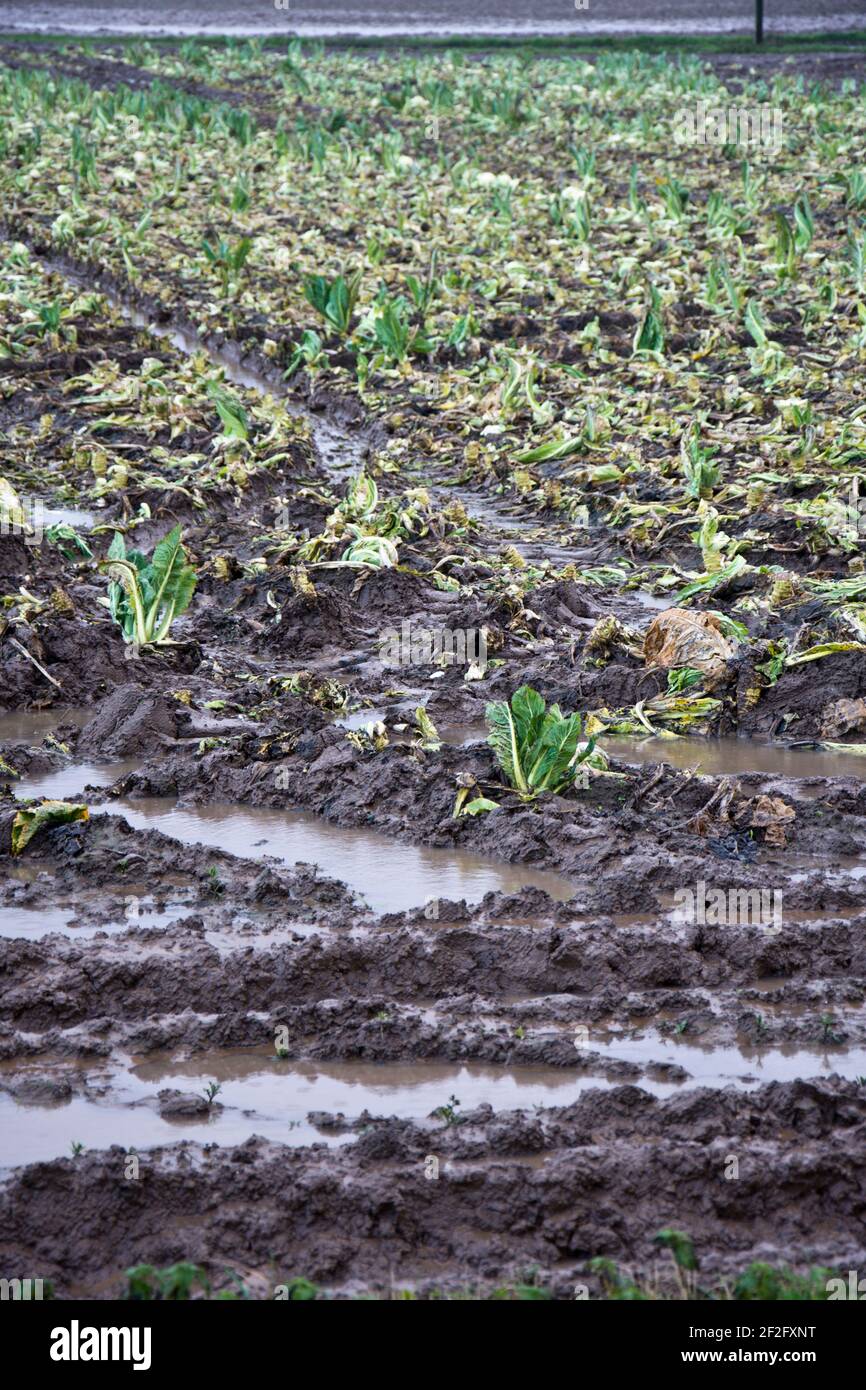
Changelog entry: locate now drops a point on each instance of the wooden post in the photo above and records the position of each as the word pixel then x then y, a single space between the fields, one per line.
pixel 759 21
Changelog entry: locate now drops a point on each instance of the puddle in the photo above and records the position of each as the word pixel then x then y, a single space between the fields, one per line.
pixel 28 726
pixel 33 1134
pixel 255 1078
pixel 649 600
pixel 725 1066
pixel 33 923
pixel 360 718
pixel 391 876
pixel 845 866
pixel 459 735
pixel 259 1094
pixel 262 1095
pixel 68 516
pixel 67 783
pixel 720 756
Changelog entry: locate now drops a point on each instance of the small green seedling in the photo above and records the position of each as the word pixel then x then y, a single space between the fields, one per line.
pixel 448 1112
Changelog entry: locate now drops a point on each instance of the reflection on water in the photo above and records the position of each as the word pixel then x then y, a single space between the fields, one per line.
pixel 719 756
pixel 68 783
pixel 31 725
pixel 391 876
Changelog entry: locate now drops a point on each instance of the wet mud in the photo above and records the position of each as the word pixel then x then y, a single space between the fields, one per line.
pixel 446 1048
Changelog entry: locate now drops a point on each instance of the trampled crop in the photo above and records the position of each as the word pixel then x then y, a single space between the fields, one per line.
pixel 431 497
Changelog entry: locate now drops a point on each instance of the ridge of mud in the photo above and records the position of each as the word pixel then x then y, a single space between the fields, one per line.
pixel 612 1170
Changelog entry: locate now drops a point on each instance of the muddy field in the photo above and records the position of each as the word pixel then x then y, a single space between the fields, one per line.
pixel 318 976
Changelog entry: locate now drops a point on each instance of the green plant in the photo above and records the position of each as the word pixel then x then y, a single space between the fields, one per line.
pixel 720 278
pixel 650 335
pixel 68 542
pixel 857 257
pixel 675 198
pixel 855 188
pixel 211 1091
pixel 300 1290
pixel 234 418
pixel 376 552
pixel 240 199
pixel 226 260
pixel 619 1288
pixel 680 1245
pixel 804 224
pixel 538 749
pixel 771 1284
pixel 393 332
pixel 334 299
pixel 711 540
pixel 145 596
pixel 145 1283
pixel 786 249
pixel 215 885
pixel 828 1029
pixel 424 291
pixel 683 678
pixel 308 351
pixel 700 473
pixel 448 1112
pixel 50 813
pixel 76 1147
pixel 48 318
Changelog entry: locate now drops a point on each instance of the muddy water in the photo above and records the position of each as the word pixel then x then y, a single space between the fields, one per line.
pixel 25 726
pixel 725 1066
pixel 33 923
pixel 31 1134
pixel 258 1080
pixel 721 756
pixel 69 516
pixel 716 756
pixel 261 1095
pixel 390 876
pixel 65 783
